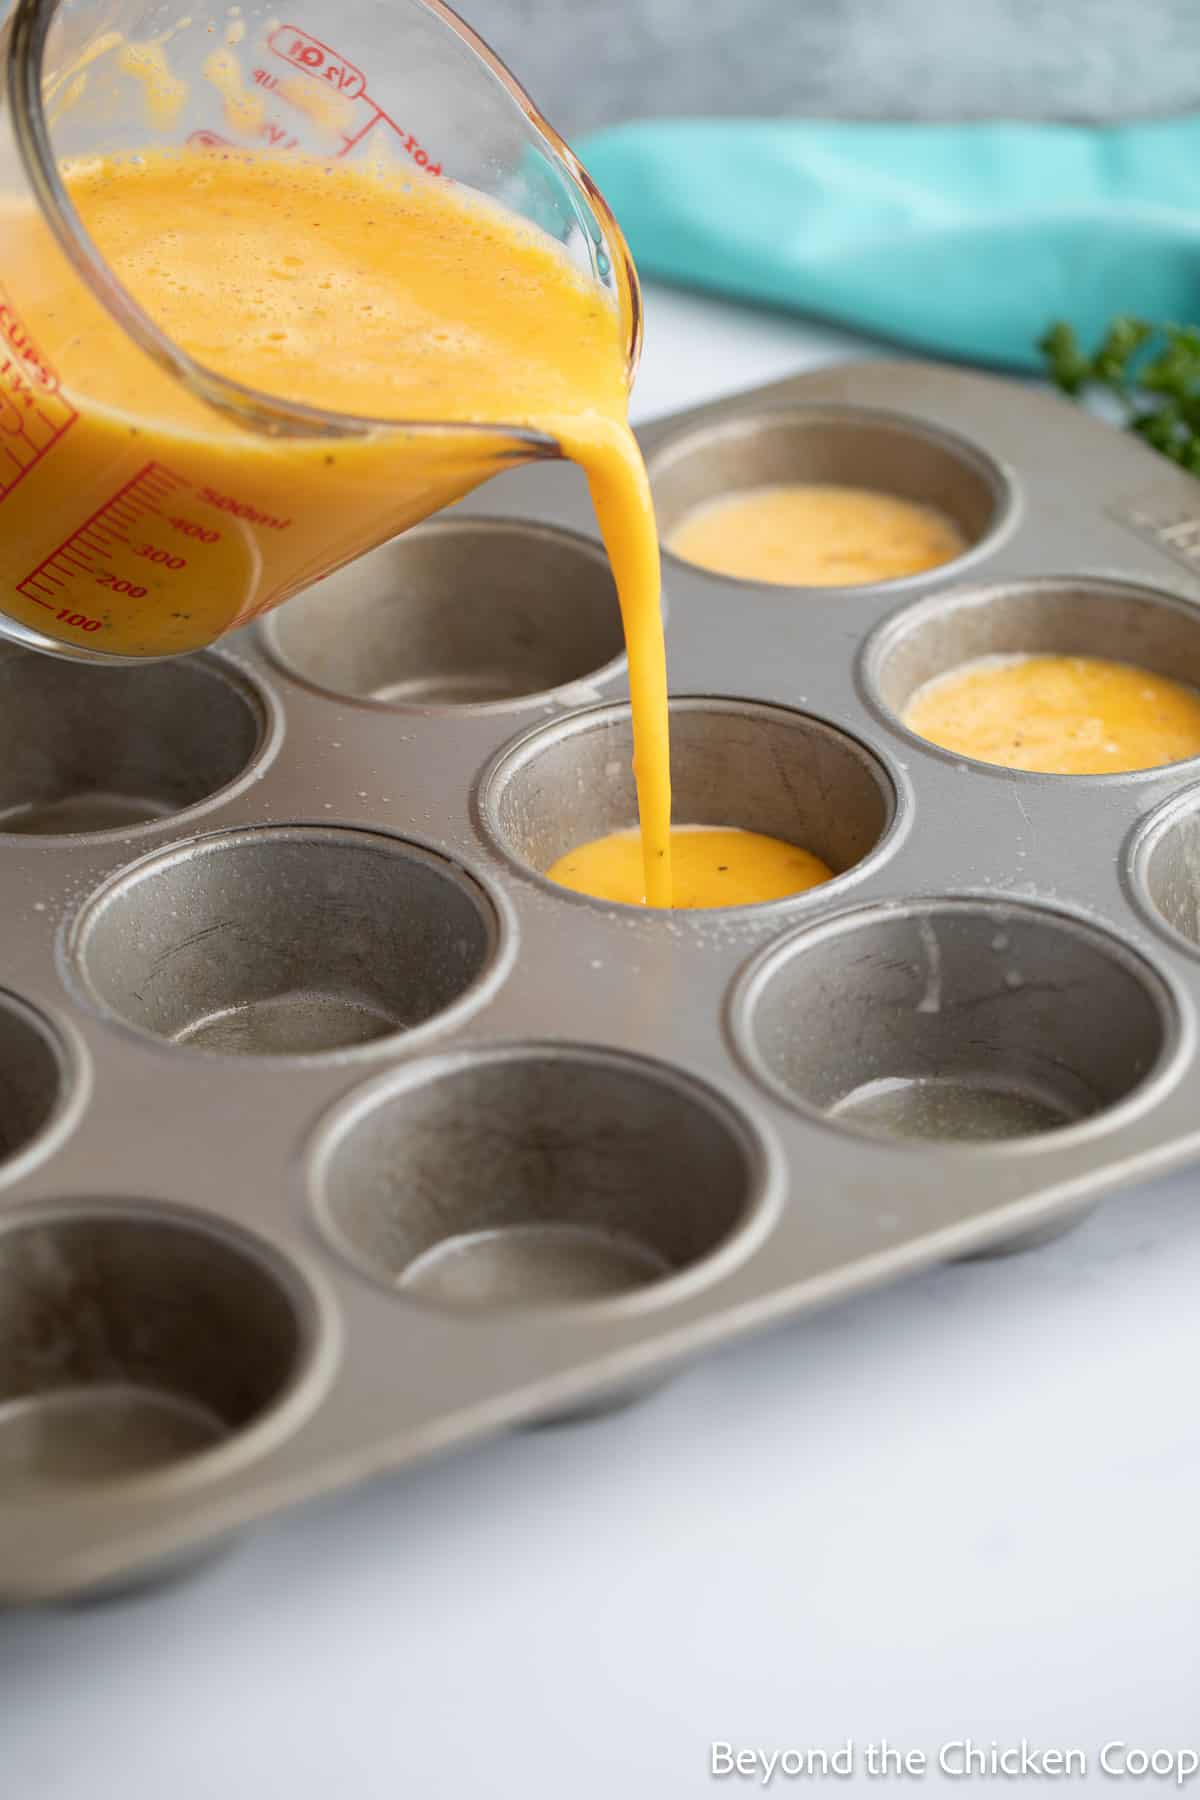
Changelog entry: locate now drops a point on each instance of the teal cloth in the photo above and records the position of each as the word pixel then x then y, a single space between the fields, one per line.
pixel 964 240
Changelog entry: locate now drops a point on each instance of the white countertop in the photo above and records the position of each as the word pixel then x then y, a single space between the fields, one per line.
pixel 966 1507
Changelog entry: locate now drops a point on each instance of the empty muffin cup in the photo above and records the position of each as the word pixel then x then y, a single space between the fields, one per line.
pixel 1048 616
pixel 954 1020
pixel 463 612
pixel 733 763
pixel 88 749
pixel 535 1176
pixel 132 1340
pixel 841 446
pixel 286 941
pixel 1164 866
pixel 34 1076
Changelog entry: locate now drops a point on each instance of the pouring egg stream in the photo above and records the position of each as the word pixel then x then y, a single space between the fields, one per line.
pixel 445 330
pixel 371 295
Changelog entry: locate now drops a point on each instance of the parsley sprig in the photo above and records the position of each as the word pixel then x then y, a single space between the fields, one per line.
pixel 1153 371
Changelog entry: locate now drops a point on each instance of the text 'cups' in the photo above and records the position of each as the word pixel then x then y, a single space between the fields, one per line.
pixel 538 1175
pixel 462 612
pixel 954 1019
pixel 287 941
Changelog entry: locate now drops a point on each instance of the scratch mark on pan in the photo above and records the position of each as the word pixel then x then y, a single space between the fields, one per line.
pixel 1016 794
pixel 931 999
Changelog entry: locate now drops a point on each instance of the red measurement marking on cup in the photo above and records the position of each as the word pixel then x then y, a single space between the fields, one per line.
pixel 33 413
pixel 315 58
pixel 105 551
pixel 323 64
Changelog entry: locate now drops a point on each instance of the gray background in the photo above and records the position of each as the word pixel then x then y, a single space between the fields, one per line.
pixel 594 62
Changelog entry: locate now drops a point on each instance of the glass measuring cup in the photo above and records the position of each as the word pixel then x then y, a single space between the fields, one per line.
pixel 120 538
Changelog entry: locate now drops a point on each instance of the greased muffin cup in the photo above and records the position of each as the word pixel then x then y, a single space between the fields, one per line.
pixel 331 1131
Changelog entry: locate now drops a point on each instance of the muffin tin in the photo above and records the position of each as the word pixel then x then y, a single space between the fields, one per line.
pixel 334 1135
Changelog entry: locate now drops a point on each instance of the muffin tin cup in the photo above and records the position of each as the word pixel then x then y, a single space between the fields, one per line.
pixel 139 1344
pixel 42 1086
pixel 1163 869
pixel 479 613
pixel 91 751
pixel 733 762
pixel 847 446
pixel 538 1177
pixel 395 1143
pixel 956 1021
pixel 1039 616
pixel 292 941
